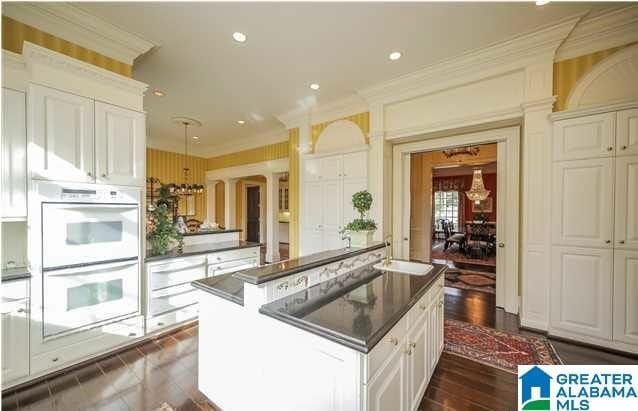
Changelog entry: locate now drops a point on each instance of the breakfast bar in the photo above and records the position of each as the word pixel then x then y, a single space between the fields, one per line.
pixel 337 330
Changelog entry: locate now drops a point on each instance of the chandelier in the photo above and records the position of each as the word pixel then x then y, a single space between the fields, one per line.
pixel 477 192
pixel 186 187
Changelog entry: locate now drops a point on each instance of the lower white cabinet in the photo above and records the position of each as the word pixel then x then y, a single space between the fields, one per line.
pixel 408 358
pixel 625 322
pixel 15 330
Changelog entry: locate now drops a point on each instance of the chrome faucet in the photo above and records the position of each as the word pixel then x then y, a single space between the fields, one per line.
pixel 347 237
pixel 388 250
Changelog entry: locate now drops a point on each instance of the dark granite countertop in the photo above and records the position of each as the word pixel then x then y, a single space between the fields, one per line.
pixel 271 272
pixel 357 309
pixel 10 274
pixel 225 286
pixel 196 249
pixel 236 230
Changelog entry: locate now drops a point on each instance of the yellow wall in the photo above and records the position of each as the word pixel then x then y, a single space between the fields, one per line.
pixel 254 155
pixel 14 33
pixel 568 72
pixel 168 167
pixel 360 119
pixel 293 192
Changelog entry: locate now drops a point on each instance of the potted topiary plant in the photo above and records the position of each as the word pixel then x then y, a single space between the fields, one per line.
pixel 161 233
pixel 361 229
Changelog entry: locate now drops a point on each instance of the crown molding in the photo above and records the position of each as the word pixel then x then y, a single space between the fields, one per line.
pixel 336 109
pixel 264 139
pixel 510 55
pixel 73 24
pixel 35 55
pixel 13 60
pixel 610 29
pixel 581 112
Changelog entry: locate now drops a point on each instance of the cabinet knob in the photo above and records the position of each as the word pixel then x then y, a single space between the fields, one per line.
pixel 422 306
pixel 103 175
pixel 393 340
pixel 623 148
pixel 132 334
pixel 607 241
pixel 88 173
pixel 21 310
pixel 622 241
pixel 501 245
pixel 55 359
pixel 610 149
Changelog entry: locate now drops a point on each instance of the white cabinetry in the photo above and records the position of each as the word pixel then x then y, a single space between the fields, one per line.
pixel 75 138
pixel 328 184
pixel 594 290
pixel 120 138
pixel 15 330
pixel 14 154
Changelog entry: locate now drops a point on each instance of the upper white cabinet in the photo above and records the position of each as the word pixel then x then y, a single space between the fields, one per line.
pixel 626 206
pixel 355 165
pixel 120 145
pixel 589 137
pixel 61 135
pixel 583 201
pixel 14 154
pixel 627 136
pixel 78 139
pixel 330 167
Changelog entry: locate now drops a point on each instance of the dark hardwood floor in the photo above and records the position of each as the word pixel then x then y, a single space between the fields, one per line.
pixel 165 370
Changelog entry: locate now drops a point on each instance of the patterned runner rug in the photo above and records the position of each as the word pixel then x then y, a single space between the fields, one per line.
pixel 500 349
pixel 471 280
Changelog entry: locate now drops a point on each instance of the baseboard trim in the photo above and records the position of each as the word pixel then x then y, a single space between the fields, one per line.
pixel 621 353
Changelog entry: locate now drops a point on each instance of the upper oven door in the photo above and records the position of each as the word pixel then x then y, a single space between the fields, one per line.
pixel 77 233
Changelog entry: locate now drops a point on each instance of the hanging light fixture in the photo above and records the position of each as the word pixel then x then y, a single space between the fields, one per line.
pixel 186 187
pixel 477 192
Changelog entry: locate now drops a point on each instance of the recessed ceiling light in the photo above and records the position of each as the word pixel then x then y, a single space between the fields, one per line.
pixel 159 93
pixel 239 37
pixel 395 55
pixel 542 2
pixel 314 86
pixel 241 122
pixel 195 138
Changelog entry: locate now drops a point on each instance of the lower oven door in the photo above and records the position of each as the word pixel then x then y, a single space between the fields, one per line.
pixel 85 297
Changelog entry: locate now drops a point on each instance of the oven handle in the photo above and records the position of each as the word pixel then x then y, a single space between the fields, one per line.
pixel 93 269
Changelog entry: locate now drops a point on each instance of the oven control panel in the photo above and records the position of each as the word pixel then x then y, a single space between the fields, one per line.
pixel 87 193
pixel 79 194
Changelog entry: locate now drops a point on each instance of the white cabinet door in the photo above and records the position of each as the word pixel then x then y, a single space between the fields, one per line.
pixel 582 209
pixel 627 132
pixel 332 219
pixel 61 135
pixel 355 165
pixel 15 330
pixel 581 292
pixel 311 170
pixel 311 242
pixel 120 138
pixel 313 211
pixel 388 390
pixel 330 167
pixel 351 186
pixel 418 364
pixel 585 137
pixel 626 206
pixel 433 337
pixel 626 296
pixel 14 154
pixel 440 324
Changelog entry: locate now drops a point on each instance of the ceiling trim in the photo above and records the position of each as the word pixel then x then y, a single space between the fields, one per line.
pixel 79 27
pixel 508 55
pixel 611 29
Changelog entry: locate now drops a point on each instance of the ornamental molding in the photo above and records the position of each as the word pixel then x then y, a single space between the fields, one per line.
pixel 582 112
pixel 73 24
pixel 507 56
pixel 610 29
pixel 35 55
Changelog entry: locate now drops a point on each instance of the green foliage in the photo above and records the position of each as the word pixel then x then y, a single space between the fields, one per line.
pixel 361 201
pixel 162 232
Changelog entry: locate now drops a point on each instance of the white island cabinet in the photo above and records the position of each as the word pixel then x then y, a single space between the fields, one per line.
pixel 309 335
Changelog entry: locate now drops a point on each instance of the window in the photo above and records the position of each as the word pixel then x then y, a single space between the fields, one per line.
pixel 446 207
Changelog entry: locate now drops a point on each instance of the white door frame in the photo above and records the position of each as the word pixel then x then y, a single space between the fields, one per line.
pixel 262 208
pixel 507 218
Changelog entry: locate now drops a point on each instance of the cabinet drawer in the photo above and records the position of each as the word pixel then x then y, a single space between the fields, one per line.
pixel 392 341
pixel 173 298
pixel 173 318
pixel 15 290
pixel 175 273
pixel 420 308
pixel 231 255
pixel 231 266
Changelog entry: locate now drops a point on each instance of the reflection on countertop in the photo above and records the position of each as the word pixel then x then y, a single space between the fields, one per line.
pixel 225 286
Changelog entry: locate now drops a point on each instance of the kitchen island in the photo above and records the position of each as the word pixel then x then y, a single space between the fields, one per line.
pixel 323 332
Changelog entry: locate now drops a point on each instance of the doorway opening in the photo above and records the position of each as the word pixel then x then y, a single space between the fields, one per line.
pixel 252 214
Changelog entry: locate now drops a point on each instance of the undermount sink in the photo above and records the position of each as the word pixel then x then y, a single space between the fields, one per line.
pixel 404 267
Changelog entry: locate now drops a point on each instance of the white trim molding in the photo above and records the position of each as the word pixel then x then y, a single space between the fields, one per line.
pixel 278 135
pixel 610 29
pixel 582 112
pixel 262 168
pixel 73 24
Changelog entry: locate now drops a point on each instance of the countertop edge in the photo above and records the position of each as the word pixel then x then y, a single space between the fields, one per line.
pixel 155 258
pixel 364 347
pixel 212 232
pixel 218 293
pixel 251 279
pixel 15 277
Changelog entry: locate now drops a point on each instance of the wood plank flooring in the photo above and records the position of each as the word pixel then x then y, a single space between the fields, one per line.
pixel 165 370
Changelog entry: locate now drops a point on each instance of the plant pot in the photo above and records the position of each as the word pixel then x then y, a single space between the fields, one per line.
pixel 361 238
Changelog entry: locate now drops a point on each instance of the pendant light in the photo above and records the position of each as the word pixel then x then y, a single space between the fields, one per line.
pixel 477 192
pixel 185 187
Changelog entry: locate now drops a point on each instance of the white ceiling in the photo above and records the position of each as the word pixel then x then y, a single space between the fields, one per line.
pixel 342 46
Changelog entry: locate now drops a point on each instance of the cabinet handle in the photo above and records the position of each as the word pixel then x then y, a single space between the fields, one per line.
pixel 422 306
pixel 103 175
pixel 21 310
pixel 622 241
pixel 408 351
pixel 132 334
pixel 610 149
pixel 501 245
pixel 55 359
pixel 623 148
pixel 607 241
pixel 393 340
pixel 88 173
